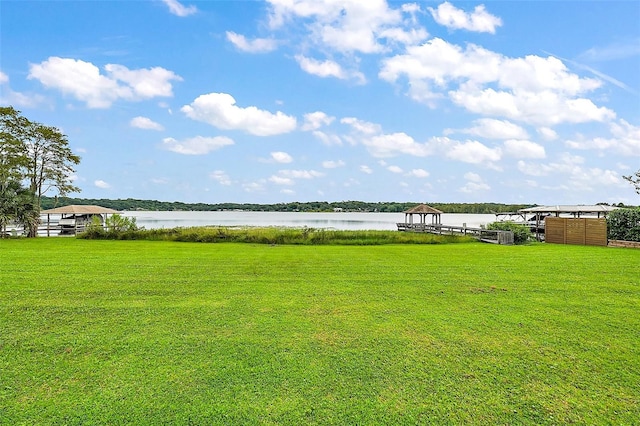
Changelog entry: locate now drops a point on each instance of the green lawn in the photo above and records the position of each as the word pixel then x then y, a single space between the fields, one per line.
pixel 137 332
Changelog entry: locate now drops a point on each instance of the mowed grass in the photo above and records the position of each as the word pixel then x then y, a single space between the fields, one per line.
pixel 138 332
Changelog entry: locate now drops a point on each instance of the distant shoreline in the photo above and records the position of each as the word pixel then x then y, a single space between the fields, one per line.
pixel 131 204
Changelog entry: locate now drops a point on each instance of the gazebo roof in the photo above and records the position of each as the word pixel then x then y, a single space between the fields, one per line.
pixel 423 209
pixel 80 209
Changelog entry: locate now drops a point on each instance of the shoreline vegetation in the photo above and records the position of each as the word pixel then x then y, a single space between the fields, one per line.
pixel 131 204
pixel 126 229
pixel 146 332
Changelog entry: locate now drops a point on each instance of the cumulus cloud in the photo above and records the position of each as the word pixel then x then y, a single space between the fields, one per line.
pixel 395 169
pixel 316 120
pixel 300 174
pixel 220 110
pixel 328 68
pixel 532 89
pixel 198 145
pixel 457 19
pixel 384 145
pixel 365 169
pixel 523 149
pixel 145 123
pixel 474 183
pixel 418 173
pixel 281 180
pixel 257 45
pixel 101 184
pixel 221 177
pixel 84 81
pixel 178 9
pixel 330 164
pixel 473 152
pixel 10 97
pixel 490 128
pixel 349 25
pixel 624 139
pixel 281 157
pixel 326 138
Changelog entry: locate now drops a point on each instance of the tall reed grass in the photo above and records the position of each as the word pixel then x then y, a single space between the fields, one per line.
pixel 275 235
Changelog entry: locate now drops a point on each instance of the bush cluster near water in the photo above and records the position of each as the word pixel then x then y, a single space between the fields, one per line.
pixel 124 228
pixel 624 224
pixel 521 233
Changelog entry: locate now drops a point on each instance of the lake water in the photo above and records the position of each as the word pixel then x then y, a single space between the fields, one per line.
pixel 337 220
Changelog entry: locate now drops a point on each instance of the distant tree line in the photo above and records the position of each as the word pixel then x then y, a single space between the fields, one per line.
pixel 131 204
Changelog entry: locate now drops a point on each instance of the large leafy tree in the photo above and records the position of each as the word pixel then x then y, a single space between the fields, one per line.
pixel 37 155
pixel 50 162
pixel 634 180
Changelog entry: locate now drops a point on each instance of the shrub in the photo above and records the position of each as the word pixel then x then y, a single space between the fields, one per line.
pixel 116 227
pixel 624 224
pixel 521 233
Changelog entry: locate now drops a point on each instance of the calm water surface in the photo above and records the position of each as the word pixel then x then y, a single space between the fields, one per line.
pixel 349 221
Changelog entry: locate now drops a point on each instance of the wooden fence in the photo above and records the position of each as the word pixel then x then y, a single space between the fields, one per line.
pixel 582 231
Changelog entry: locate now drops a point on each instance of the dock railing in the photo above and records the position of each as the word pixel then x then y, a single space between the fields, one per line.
pixel 486 235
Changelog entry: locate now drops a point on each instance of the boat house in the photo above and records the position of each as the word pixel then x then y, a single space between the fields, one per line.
pixel 75 218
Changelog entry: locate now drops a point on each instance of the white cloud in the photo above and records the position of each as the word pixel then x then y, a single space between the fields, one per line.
pixel 83 81
pixel 474 152
pixel 395 169
pixel 531 89
pixel 300 174
pixel 326 138
pixel 360 126
pixel 328 68
pixel 257 45
pixel 547 133
pixel 330 164
pixel 254 186
pixel 9 97
pixel 219 110
pixel 451 17
pixel 316 120
pixel 280 180
pixel 490 128
pixel 176 8
pixel 198 145
pixel 625 139
pixel 474 183
pixel 221 177
pixel 473 177
pixel 365 169
pixel 145 123
pixel 348 25
pixel 101 184
pixel 418 173
pixel 540 108
pixel 523 149
pixel 281 157
pixel 384 145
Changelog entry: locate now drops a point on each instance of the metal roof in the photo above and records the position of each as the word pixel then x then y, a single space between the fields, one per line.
pixel 80 209
pixel 570 209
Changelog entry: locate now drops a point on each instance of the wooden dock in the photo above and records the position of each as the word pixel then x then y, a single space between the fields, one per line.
pixel 485 235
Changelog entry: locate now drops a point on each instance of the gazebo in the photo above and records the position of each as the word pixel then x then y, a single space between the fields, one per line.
pixel 422 210
pixel 74 216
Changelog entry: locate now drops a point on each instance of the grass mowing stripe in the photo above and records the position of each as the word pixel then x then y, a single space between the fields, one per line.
pixel 108 332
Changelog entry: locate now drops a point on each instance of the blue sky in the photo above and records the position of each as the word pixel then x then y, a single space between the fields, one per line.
pixel 305 100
